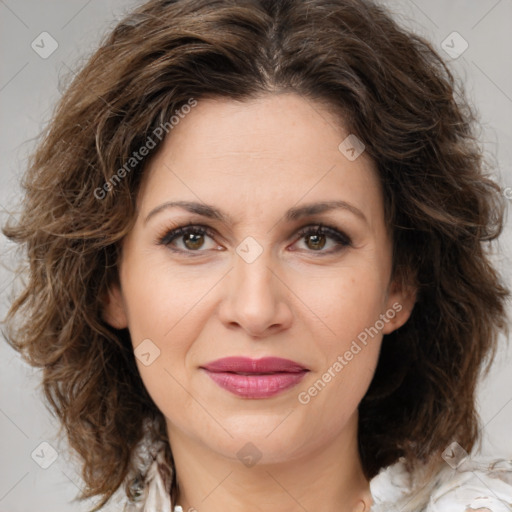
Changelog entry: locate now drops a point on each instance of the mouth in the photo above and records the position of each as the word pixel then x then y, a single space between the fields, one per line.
pixel 255 378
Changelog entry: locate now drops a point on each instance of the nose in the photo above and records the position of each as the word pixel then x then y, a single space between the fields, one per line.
pixel 256 298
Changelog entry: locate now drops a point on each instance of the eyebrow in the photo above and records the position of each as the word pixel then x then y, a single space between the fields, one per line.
pixel 206 210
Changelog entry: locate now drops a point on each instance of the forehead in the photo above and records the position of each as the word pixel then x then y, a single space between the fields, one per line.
pixel 267 153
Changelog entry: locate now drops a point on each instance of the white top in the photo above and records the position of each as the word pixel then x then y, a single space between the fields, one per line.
pixel 484 485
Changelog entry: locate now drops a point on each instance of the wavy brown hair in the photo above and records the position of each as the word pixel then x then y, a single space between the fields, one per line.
pixel 388 86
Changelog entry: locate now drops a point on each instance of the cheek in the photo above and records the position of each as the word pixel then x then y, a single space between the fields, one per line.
pixel 162 309
pixel 341 383
pixel 349 337
pixel 162 302
pixel 346 302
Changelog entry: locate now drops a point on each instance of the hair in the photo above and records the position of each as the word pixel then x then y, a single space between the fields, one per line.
pixel 389 87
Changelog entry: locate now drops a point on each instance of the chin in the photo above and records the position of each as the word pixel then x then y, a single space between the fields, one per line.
pixel 268 438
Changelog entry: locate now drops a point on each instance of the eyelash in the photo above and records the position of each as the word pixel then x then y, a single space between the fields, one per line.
pixel 318 229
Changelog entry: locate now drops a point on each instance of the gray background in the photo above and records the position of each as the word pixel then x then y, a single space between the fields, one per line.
pixel 29 87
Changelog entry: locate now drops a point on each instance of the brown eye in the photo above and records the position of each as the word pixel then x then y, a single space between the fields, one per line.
pixel 317 237
pixel 316 241
pixel 187 239
pixel 193 240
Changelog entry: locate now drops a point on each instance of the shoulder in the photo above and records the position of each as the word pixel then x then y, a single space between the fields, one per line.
pixel 474 485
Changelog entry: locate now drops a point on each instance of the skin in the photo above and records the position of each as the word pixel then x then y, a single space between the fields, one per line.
pixel 296 300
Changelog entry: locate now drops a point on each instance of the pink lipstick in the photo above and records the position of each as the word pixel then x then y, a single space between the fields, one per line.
pixel 255 378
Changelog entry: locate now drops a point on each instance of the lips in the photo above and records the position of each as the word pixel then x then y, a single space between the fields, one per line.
pixel 255 378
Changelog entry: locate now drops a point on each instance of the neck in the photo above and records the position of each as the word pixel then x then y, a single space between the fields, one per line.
pixel 327 477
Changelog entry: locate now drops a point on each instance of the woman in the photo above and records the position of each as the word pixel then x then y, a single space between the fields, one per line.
pixel 258 278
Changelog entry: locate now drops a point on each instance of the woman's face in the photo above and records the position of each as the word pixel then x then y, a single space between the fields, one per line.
pixel 255 285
